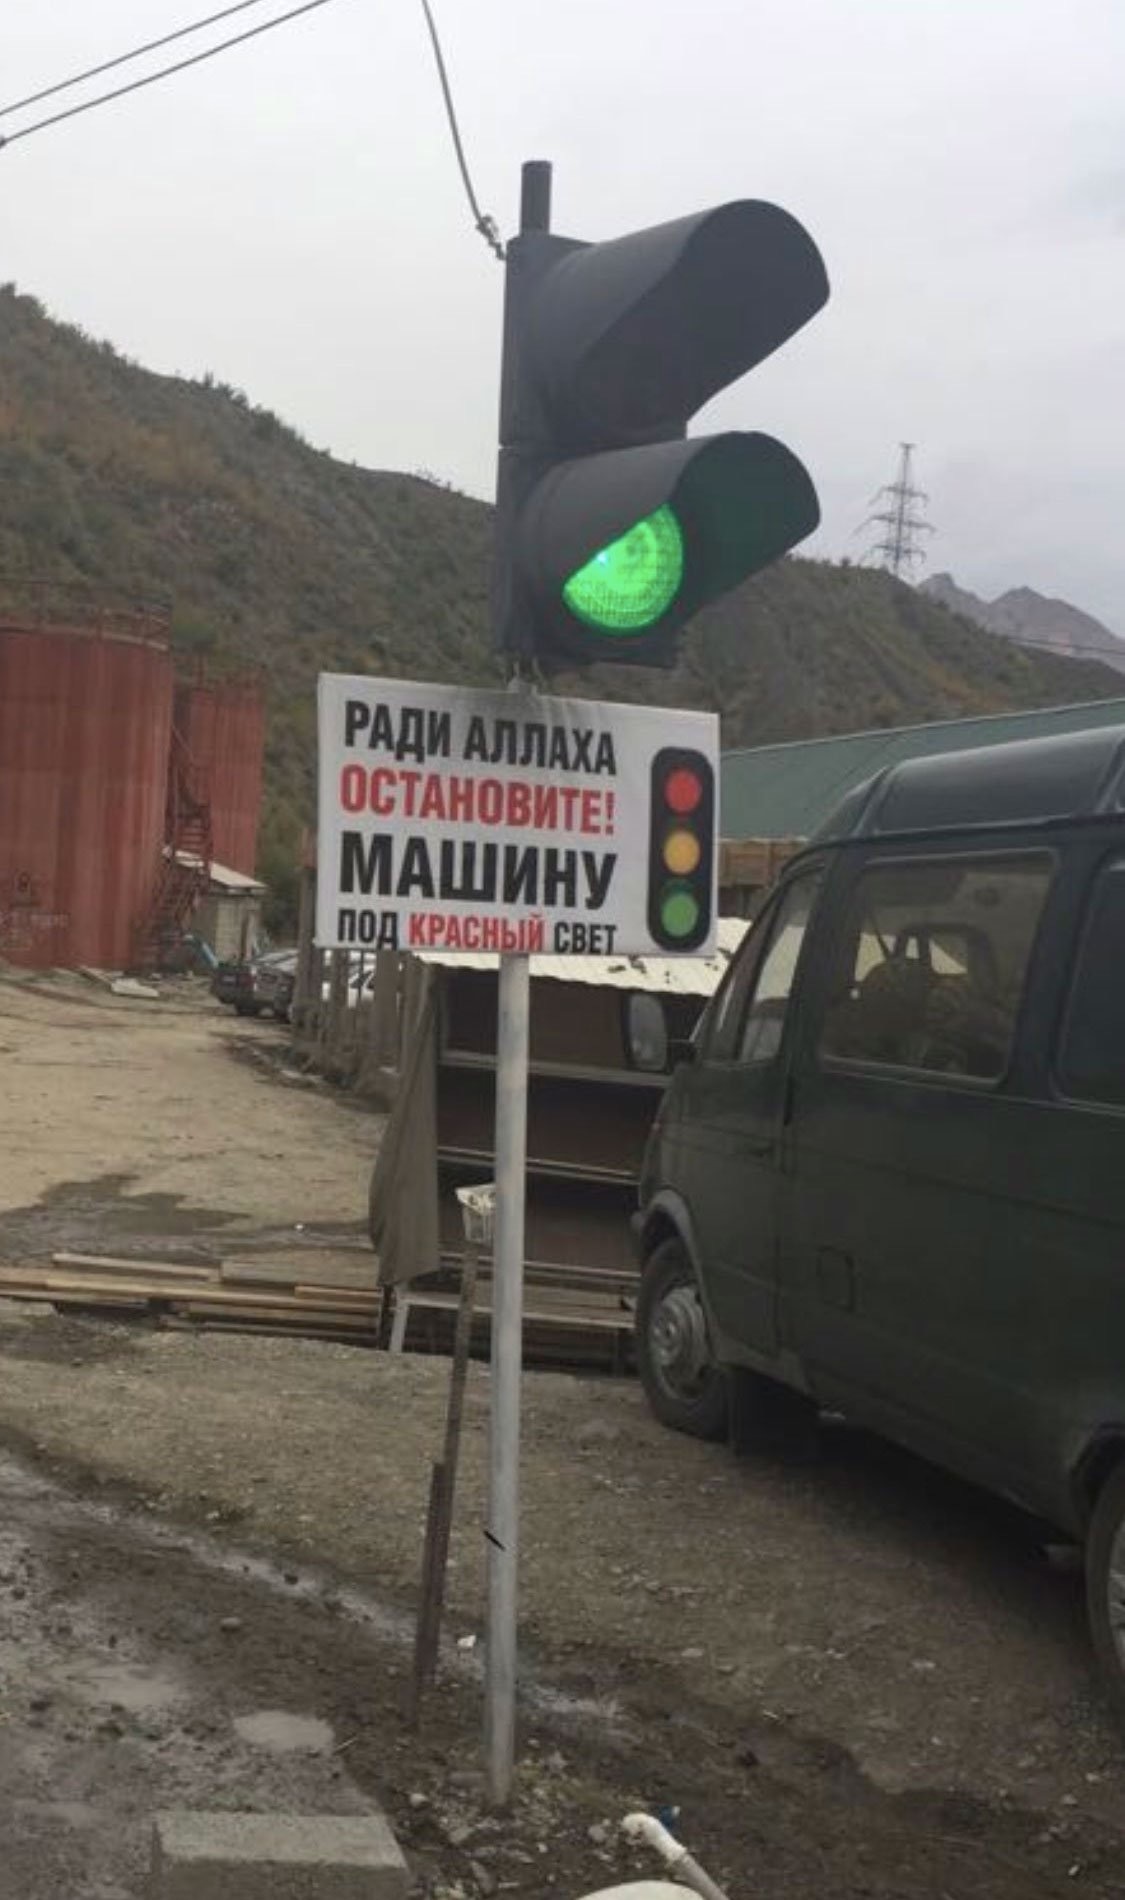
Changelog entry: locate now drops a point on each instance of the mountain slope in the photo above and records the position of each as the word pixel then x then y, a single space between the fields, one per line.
pixel 1037 620
pixel 275 555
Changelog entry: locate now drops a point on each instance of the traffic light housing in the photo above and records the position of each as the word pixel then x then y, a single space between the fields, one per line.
pixel 681 849
pixel 613 528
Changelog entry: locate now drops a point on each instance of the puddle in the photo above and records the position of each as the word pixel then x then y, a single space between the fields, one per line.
pixel 285 1734
pixel 383 1619
pixel 86 1215
pixel 141 1691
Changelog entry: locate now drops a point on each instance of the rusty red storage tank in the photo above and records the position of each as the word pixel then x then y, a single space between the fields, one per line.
pixel 85 726
pixel 223 726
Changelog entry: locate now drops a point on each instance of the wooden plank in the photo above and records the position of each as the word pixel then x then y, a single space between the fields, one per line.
pixel 551 1273
pixel 280 1305
pixel 328 1292
pixel 576 1318
pixel 655 1083
pixel 113 1263
pixel 109 1290
pixel 587 1175
pixel 46 1285
pixel 312 1315
pixel 280 1282
pixel 267 1329
pixel 335 1295
pixel 124 1303
pixel 291 1283
pixel 588 1298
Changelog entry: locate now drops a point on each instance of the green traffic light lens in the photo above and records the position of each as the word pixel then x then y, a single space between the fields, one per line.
pixel 631 583
pixel 679 911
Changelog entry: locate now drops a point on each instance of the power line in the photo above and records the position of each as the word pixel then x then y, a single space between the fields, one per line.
pixel 1116 651
pixel 485 224
pixel 122 59
pixel 150 79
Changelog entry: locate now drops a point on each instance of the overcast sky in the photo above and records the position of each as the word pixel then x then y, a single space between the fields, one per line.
pixel 289 217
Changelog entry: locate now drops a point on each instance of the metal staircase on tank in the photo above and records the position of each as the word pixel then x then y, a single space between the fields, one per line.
pixel 185 869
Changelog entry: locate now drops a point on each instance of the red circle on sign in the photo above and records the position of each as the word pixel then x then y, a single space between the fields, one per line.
pixel 684 790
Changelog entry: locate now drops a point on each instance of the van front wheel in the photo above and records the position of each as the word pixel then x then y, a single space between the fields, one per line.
pixel 1105 1585
pixel 683 1384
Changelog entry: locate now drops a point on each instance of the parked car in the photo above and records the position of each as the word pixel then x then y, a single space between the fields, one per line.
pixel 274 977
pixel 225 980
pixel 888 1178
pixel 256 984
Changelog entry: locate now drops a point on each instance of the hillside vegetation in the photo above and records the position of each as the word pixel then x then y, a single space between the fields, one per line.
pixel 275 555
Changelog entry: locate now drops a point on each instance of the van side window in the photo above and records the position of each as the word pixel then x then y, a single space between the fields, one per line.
pixel 1092 1063
pixel 750 1009
pixel 765 1015
pixel 725 1015
pixel 934 956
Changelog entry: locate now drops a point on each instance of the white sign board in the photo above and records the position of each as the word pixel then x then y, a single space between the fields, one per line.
pixel 451 819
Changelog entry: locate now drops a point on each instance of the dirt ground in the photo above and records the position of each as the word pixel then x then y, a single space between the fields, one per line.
pixel 857 1677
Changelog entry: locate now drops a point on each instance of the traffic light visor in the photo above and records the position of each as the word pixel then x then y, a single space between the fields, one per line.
pixel 631 337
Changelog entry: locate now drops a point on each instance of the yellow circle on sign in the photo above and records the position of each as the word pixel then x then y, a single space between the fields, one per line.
pixel 681 852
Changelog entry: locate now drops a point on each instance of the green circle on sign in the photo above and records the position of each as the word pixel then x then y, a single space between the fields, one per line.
pixel 679 911
pixel 631 583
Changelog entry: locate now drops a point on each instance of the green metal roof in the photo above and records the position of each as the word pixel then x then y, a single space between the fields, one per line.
pixel 789 791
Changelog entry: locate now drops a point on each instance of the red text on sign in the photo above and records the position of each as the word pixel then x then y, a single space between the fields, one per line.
pixel 454 798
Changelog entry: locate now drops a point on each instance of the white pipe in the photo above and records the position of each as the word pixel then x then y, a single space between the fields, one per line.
pixel 646 1828
pixel 507 1360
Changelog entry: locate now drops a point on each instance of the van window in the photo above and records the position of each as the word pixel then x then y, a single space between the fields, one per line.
pixel 1092 1063
pixel 750 1009
pixel 933 962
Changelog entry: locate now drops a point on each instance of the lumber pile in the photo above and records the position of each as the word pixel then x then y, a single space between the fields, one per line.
pixel 585 1324
pixel 236 1296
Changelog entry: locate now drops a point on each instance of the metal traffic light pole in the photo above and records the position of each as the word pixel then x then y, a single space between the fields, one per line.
pixel 507 1285
pixel 613 527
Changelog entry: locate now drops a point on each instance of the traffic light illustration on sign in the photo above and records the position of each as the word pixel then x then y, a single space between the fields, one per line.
pixel 614 528
pixel 681 852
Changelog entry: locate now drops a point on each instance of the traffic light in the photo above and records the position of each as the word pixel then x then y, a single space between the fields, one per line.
pixel 681 849
pixel 612 527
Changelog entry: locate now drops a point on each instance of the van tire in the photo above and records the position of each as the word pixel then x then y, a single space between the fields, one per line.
pixel 685 1386
pixel 1105 1599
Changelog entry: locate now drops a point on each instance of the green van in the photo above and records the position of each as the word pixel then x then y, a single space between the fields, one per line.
pixel 888 1180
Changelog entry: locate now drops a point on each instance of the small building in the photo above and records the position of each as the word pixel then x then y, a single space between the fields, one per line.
pixel 229 914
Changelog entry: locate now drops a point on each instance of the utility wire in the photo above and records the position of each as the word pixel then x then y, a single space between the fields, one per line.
pixel 1114 650
pixel 485 224
pixel 150 79
pixel 107 65
pixel 1081 647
